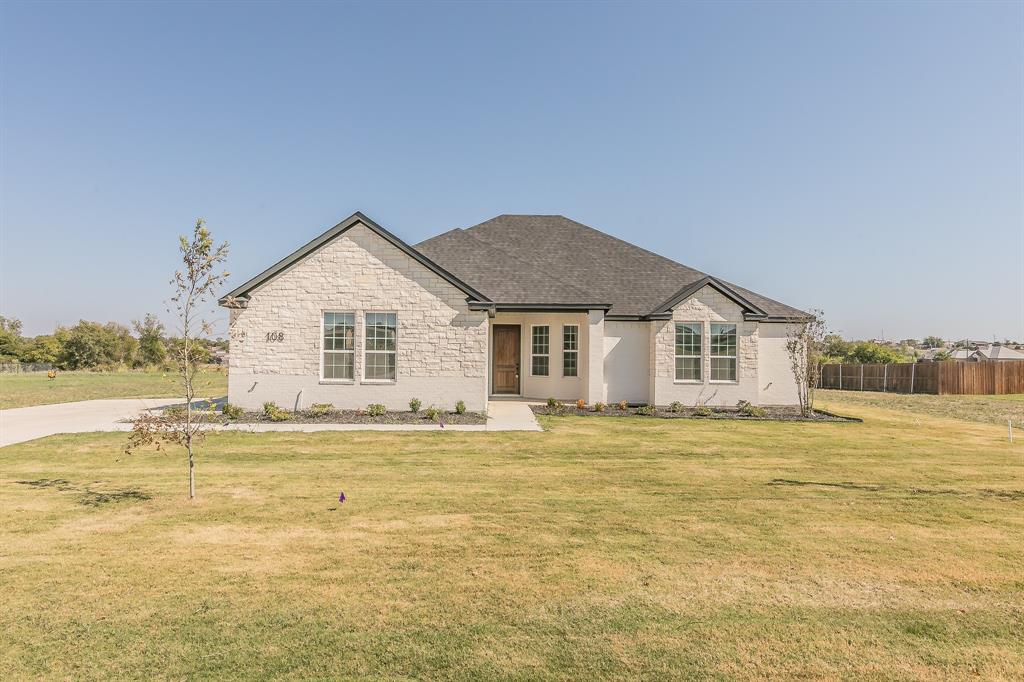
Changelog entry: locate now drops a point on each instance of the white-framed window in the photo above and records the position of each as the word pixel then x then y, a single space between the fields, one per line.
pixel 689 351
pixel 570 350
pixel 723 352
pixel 540 349
pixel 339 337
pixel 379 351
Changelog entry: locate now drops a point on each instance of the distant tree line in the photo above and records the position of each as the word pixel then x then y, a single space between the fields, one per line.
pixel 837 350
pixel 92 345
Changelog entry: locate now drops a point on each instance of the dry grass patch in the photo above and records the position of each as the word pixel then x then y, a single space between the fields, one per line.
pixel 598 549
pixel 991 409
pixel 24 390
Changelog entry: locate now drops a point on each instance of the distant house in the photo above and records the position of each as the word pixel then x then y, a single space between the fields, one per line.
pixel 994 352
pixel 533 306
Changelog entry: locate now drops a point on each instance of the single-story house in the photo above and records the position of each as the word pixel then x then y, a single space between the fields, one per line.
pixel 529 306
pixel 995 352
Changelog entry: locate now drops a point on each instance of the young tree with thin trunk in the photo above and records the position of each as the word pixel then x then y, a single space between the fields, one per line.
pixel 195 287
pixel 805 342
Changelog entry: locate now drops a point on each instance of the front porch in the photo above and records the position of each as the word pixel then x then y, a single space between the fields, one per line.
pixel 546 354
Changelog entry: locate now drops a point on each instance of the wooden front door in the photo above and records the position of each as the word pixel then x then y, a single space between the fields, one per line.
pixel 505 360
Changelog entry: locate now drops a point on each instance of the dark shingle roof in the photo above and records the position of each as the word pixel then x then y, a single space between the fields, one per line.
pixel 551 259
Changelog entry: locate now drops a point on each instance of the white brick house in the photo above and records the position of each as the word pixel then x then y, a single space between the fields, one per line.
pixel 527 306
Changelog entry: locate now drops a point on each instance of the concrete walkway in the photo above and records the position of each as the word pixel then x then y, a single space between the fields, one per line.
pixel 28 423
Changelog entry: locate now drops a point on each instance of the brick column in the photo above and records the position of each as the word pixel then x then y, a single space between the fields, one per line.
pixel 595 357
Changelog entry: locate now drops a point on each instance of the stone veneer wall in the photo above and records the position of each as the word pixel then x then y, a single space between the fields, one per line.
pixel 441 344
pixel 706 306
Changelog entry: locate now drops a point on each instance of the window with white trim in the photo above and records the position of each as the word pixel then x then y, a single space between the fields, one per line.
pixel 689 351
pixel 723 352
pixel 570 350
pixel 540 347
pixel 339 334
pixel 379 353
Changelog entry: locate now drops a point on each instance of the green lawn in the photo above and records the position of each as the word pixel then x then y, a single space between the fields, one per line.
pixel 600 549
pixel 22 390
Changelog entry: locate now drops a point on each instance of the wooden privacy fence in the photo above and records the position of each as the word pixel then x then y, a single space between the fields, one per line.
pixel 952 377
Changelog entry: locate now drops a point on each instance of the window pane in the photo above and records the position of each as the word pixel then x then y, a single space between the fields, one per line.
pixel 380 331
pixel 723 369
pixel 338 365
pixel 569 363
pixel 540 365
pixel 540 340
pixel 380 366
pixel 688 369
pixel 688 341
pixel 723 339
pixel 339 331
pixel 339 335
pixel 570 337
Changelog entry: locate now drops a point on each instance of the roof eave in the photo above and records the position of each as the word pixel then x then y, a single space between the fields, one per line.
pixel 537 307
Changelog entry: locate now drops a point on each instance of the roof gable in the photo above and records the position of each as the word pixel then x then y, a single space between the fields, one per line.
pixel 689 290
pixel 241 293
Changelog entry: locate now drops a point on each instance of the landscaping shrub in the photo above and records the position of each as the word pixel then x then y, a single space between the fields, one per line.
pixel 646 410
pixel 414 405
pixel 320 409
pixel 748 410
pixel 175 411
pixel 376 410
pixel 275 413
pixel 676 407
pixel 460 407
pixel 552 403
pixel 598 407
pixel 433 413
pixel 581 404
pixel 702 411
pixel 623 405
pixel 231 411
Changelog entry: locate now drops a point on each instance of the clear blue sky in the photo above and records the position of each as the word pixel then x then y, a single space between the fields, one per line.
pixel 863 158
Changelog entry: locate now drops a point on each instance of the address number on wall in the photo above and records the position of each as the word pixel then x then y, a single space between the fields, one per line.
pixel 275 337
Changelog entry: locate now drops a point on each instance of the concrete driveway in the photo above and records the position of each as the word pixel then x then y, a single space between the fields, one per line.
pixel 28 423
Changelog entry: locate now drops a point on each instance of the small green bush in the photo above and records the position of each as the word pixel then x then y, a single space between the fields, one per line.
pixel 552 403
pixel 748 410
pixel 174 411
pixel 414 405
pixel 320 409
pixel 702 411
pixel 676 407
pixel 275 413
pixel 598 407
pixel 460 407
pixel 231 411
pixel 646 410
pixel 433 413
pixel 376 409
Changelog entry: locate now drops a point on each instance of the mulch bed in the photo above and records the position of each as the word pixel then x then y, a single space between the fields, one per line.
pixel 788 414
pixel 351 417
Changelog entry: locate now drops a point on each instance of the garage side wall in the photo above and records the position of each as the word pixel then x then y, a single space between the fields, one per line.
pixel 774 369
pixel 276 341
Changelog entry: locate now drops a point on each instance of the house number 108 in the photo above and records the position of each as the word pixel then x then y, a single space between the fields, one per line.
pixel 275 336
